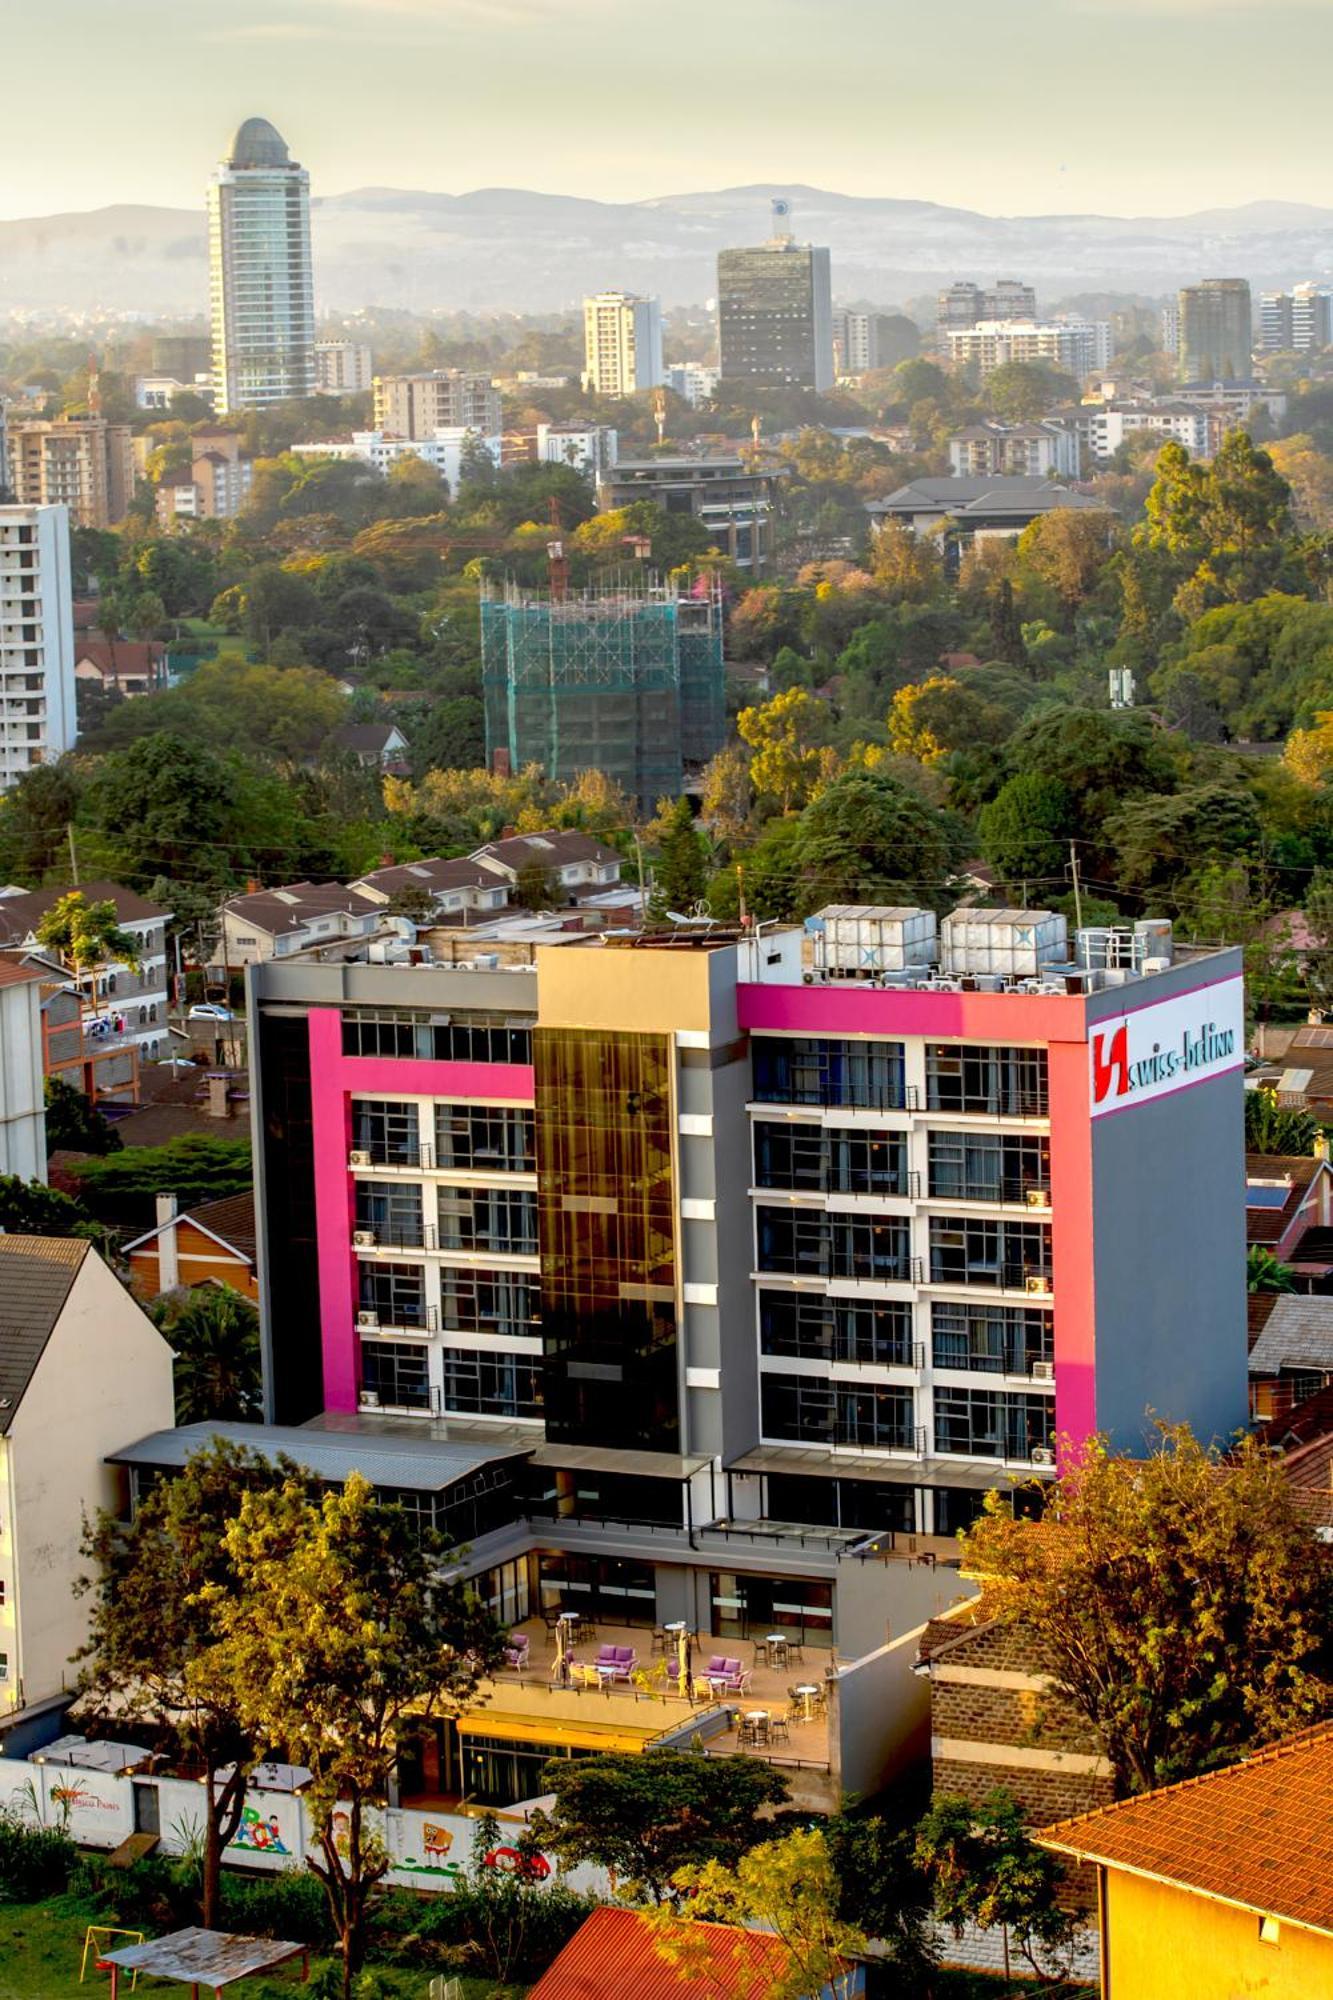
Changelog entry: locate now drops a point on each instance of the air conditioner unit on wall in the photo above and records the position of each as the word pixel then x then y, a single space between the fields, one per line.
pixel 1038 1197
pixel 1038 1284
pixel 367 1319
pixel 1042 1454
pixel 369 1399
pixel 363 1239
pixel 358 1159
pixel 1043 1371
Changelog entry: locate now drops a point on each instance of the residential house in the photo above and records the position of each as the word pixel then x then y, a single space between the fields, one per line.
pixel 988 508
pixel 121 666
pixel 22 1079
pixel 379 745
pixel 1292 1356
pixel 1040 449
pixel 615 1952
pixel 461 891
pixel 82 1367
pixel 1289 1211
pixel 125 1007
pixel 278 923
pixel 214 486
pixel 211 1244
pixel 579 866
pixel 1220 1885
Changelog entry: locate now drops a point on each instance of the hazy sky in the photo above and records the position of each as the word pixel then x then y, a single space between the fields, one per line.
pixel 1122 106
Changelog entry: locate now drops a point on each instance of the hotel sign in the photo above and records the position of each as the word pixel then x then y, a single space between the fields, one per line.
pixel 1153 1051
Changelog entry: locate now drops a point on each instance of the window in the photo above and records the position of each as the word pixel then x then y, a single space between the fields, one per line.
pixel 397 1292
pixel 500 1219
pixel 392 1209
pixel 985 1423
pixel 504 1303
pixel 1001 1340
pixel 988 1166
pixel 745 1606
pixel 388 1132
pixel 973 1250
pixel 826 1329
pixel 484 1140
pixel 830 1162
pixel 479 1037
pixel 1008 1083
pixel 396 1373
pixel 4 1666
pixel 813 1243
pixel 492 1385
pixel 801 1069
pixel 805 1409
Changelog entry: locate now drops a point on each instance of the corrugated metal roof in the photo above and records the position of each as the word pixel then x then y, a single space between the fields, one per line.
pixel 418 1464
pixel 36 1276
pixel 614 1954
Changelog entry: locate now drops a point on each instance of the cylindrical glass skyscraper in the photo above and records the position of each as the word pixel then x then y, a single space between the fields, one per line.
pixel 262 291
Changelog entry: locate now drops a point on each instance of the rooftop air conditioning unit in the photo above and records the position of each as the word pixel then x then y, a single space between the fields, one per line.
pixel 358 1159
pixel 369 1399
pixel 368 1320
pixel 1037 1284
pixel 363 1239
pixel 1041 1454
pixel 1038 1197
pixel 1043 1371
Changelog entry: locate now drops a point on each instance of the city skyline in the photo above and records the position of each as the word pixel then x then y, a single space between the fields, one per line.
pixel 862 111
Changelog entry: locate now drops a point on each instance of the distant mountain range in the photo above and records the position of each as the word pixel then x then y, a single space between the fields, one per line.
pixel 509 247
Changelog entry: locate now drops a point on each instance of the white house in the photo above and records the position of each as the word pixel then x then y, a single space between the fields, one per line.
pixel 128 1009
pixel 278 923
pixel 82 1368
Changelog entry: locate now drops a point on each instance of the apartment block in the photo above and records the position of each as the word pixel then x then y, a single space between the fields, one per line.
pixel 622 344
pixel 83 464
pixel 591 449
pixel 417 406
pixel 1075 347
pixel 343 367
pixel 123 1008
pixel 1042 449
pixel 964 304
pixel 1215 331
pixel 261 278
pixel 38 722
pixel 22 1076
pixel 214 486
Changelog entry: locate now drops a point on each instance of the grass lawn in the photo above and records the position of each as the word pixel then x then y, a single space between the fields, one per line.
pixel 41 1945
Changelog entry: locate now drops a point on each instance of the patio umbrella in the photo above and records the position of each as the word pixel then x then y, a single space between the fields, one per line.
pixel 561 1659
pixel 683 1659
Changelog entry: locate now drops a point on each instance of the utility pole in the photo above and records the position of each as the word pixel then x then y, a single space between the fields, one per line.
pixel 73 855
pixel 740 894
pixel 638 856
pixel 1078 900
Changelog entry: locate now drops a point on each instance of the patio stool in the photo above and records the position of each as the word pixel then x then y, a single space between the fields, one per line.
pixel 778 1730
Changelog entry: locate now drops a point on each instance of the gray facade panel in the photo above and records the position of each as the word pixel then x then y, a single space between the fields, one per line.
pixel 1169 1252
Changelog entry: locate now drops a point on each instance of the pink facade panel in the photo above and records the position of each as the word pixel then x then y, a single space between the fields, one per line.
pixel 335 1079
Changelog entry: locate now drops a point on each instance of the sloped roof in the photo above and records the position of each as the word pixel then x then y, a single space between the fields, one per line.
pixel 555 849
pixel 230 1221
pixel 20 915
pixel 434 875
pixel 410 1461
pixel 613 1955
pixel 1258 1836
pixel 1018 493
pixel 294 904
pixel 367 739
pixel 36 1276
pixel 1297 1334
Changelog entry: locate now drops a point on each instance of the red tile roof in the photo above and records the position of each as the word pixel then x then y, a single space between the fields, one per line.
pixel 1258 1836
pixel 613 1957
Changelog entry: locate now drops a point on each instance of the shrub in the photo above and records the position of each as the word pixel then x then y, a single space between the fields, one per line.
pixel 289 1905
pixel 35 1861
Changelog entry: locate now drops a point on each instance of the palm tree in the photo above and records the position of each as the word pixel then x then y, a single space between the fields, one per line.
pixel 215 1332
pixel 1265 1273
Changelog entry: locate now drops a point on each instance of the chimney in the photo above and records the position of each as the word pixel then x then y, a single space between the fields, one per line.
pixel 168 1262
pixel 218 1095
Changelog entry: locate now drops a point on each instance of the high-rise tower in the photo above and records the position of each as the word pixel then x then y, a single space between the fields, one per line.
pixel 262 294
pixel 775 311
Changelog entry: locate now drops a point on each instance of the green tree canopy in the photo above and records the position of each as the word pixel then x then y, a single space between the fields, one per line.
pixel 214 1331
pixel 867 839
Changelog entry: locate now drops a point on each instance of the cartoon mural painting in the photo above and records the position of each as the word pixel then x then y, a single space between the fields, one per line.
pixel 260 1834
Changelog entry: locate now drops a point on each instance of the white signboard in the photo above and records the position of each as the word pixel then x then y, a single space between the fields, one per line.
pixel 1151 1051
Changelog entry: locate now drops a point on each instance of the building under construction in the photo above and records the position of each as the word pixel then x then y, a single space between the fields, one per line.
pixel 625 679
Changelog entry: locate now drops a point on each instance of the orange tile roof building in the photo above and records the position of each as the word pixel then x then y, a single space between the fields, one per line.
pixel 614 1954
pixel 1222 1885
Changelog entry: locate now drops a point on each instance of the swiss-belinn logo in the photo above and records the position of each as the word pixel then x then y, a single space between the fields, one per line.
pixel 1110 1064
pixel 1115 1075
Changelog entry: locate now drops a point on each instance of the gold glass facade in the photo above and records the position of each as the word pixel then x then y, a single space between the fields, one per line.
pixel 608 1250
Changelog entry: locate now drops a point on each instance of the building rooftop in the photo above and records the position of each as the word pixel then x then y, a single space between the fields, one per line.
pixel 230 1221
pixel 1258 1836
pixel 36 1276
pixel 613 1953
pixel 20 915
pixel 417 1463
pixel 434 875
pixel 555 849
pixel 258 144
pixel 290 908
pixel 1002 493
pixel 1298 1333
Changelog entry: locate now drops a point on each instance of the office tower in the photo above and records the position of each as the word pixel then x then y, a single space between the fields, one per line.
pixel 626 680
pixel 260 274
pixel 37 714
pixel 1215 331
pixel 775 312
pixel 182 355
pixel 1274 322
pixel 1311 321
pixel 866 340
pixel 440 399
pixel 964 304
pixel 833 1227
pixel 342 367
pixel 1169 327
pixel 82 463
pixel 622 344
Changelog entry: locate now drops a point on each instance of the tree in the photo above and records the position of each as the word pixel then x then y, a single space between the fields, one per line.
pixel 1068 549
pixel 535 888
pixel 31 1208
pixel 1020 391
pixel 867 839
pixel 647 1817
pixel 1264 1272
pixel 907 567
pixel 1309 752
pixel 215 1333
pixel 154 1634
pixel 727 794
pixel 883 1892
pixel 930 718
pixel 785 736
pixel 1161 842
pixel 787 1888
pixel 1024 831
pixel 74 1124
pixel 1177 1601
pixel 1271 1128
pixel 195 1167
pixel 168 805
pixel 345 1632
pixel 1319 923
pixel 86 937
pixel 35 818
pixel 452 737
pixel 985 1869
pixel 681 875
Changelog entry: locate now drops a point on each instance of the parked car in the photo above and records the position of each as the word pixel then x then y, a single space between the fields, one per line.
pixel 209 1010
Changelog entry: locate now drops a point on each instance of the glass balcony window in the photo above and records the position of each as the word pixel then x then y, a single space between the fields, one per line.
pixel 826 1161
pixel 830 1329
pixel 991 1339
pixel 814 1243
pixel 999 1082
pixel 988 1166
pixel 802 1409
pixel 801 1069
pixel 974 1250
pixel 988 1423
